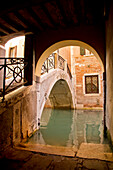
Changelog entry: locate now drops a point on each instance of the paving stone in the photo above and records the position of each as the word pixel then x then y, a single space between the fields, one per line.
pixel 95 151
pixel 64 165
pixel 18 155
pixel 37 162
pixel 95 164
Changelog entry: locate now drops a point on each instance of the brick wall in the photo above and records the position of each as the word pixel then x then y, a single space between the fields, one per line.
pixel 87 65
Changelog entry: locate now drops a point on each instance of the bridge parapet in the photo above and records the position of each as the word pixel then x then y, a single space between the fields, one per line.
pixel 55 61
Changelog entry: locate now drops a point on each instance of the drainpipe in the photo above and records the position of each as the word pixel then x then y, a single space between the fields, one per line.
pixel 104 103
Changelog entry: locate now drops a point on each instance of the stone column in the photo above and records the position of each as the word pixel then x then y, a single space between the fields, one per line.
pixel 104 102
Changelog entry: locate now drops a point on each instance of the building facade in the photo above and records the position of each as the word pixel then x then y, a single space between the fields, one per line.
pixel 87 73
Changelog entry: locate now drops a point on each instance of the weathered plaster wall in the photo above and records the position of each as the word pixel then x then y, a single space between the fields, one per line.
pixel 109 71
pixel 18 116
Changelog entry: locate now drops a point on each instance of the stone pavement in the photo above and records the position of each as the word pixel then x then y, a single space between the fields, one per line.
pixel 16 159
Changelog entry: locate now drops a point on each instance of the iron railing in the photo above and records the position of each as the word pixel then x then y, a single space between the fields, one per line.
pixel 11 74
pixel 61 62
pixel 50 64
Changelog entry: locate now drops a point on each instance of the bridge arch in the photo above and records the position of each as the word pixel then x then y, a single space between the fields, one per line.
pixel 48 82
pixel 61 44
pixel 60 95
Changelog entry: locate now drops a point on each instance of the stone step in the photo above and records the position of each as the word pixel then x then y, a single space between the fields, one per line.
pixel 48 149
pixel 95 151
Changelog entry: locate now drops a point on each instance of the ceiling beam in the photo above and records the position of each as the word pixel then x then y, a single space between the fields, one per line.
pixel 4 29
pixel 13 24
pixel 36 18
pixel 26 22
pixel 18 20
pixel 6 24
pixel 48 15
pixel 62 11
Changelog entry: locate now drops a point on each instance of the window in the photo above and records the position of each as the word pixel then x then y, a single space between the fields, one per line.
pixel 91 84
pixel 82 51
pixel 13 52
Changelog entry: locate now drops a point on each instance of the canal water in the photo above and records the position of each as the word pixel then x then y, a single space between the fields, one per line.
pixel 69 128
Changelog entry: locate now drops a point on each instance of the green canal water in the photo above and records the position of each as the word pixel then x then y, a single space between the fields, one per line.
pixel 69 128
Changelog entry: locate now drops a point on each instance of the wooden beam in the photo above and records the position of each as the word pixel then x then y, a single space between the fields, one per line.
pixel 4 29
pixel 16 25
pixel 62 11
pixel 6 24
pixel 36 18
pixel 22 19
pixel 18 20
pixel 48 15
pixel 12 24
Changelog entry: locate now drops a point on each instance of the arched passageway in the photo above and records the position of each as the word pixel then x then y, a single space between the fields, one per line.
pixel 61 44
pixel 60 95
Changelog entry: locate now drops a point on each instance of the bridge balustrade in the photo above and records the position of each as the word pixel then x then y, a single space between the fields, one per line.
pixel 55 61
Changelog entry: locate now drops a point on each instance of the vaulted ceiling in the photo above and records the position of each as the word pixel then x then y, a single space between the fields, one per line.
pixel 36 16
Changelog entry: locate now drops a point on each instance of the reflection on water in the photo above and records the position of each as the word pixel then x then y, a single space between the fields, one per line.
pixel 69 127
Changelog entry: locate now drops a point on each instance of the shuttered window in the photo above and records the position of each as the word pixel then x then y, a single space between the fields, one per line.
pixel 91 84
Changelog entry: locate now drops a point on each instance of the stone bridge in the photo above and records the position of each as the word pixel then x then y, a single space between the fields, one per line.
pixel 55 88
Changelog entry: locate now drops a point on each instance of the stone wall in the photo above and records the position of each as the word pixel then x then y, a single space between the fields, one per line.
pixel 109 72
pixel 18 116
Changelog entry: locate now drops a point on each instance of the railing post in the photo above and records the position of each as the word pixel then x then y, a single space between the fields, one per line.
pixel 56 60
pixel 4 80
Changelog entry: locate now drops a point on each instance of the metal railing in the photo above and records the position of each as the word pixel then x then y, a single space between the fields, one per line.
pixel 11 74
pixel 61 62
pixel 50 64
